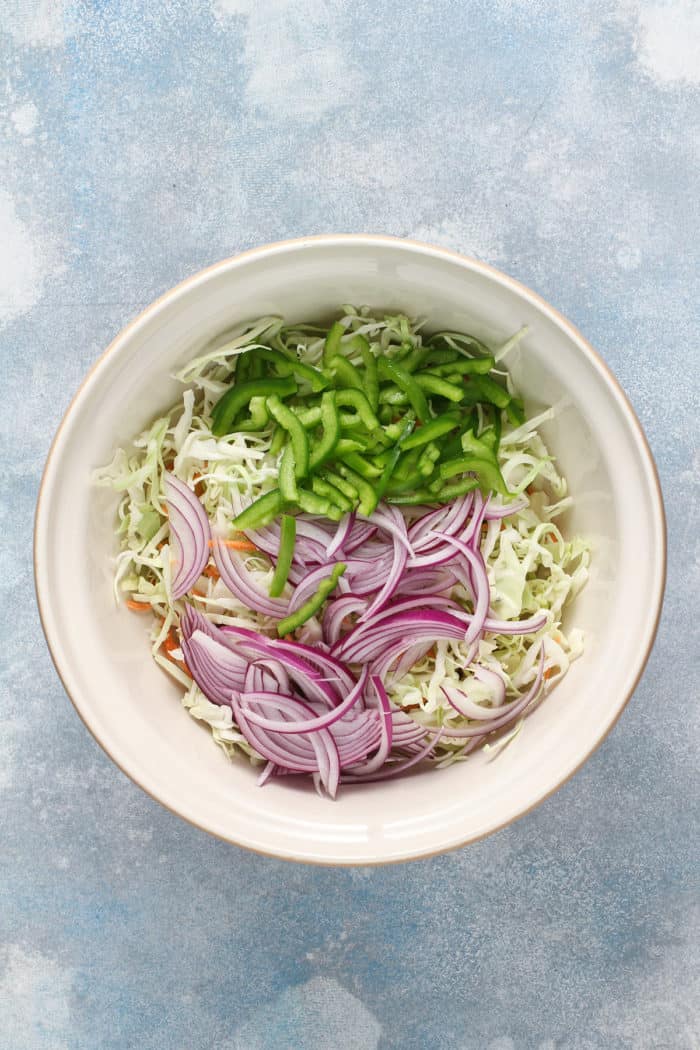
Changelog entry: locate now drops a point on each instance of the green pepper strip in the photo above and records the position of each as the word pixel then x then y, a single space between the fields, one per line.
pixel 287 475
pixel 297 435
pixel 259 417
pixel 488 437
pixel 286 366
pixel 348 445
pixel 437 357
pixel 228 407
pixel 464 366
pixel 264 510
pixel 432 430
pixel 427 459
pixel 311 503
pixel 356 399
pixel 393 457
pixel 311 607
pixel 368 498
pixel 407 383
pixel 363 467
pixel 309 417
pixel 278 439
pixel 484 445
pixel 327 490
pixel 371 375
pixel 483 388
pixel 395 431
pixel 440 387
pixel 430 495
pixel 487 470
pixel 288 533
pixel 411 498
pixel 346 373
pixel 332 345
pixel 342 485
pixel 415 358
pixel 515 412
pixel 330 421
pixel 449 492
pixel 392 396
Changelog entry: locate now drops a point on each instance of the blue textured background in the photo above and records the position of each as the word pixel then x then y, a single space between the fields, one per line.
pixel 141 140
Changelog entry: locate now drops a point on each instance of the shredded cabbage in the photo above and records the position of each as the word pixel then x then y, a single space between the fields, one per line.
pixel 532 566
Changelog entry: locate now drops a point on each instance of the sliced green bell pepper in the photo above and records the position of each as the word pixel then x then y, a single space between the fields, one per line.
pixel 228 406
pixel 312 606
pixel 406 382
pixel 288 532
pixel 297 435
pixel 261 512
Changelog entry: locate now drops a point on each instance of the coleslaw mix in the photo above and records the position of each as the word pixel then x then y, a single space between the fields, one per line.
pixel 532 566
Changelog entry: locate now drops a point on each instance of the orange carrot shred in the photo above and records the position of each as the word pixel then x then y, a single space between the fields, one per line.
pixel 137 606
pixel 236 545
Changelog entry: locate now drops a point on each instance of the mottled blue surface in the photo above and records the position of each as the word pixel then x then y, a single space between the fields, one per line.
pixel 142 140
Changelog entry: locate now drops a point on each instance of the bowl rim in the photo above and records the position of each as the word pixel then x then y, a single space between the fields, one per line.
pixel 427 249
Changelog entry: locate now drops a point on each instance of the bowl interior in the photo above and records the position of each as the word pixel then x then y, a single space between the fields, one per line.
pixel 134 710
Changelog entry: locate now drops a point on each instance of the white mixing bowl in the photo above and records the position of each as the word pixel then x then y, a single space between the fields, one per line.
pixel 133 709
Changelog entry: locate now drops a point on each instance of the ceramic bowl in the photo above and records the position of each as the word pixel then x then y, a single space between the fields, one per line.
pixel 134 710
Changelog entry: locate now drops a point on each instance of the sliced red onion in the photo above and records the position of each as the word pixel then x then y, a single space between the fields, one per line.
pixel 342 534
pixel 269 771
pixel 190 532
pixel 392 581
pixel 450 519
pixel 472 533
pixel 335 613
pixel 378 760
pixel 360 533
pixel 390 520
pixel 306 678
pixel 466 707
pixel 385 774
pixel 494 680
pixel 363 576
pixel 305 725
pixel 480 585
pixel 267 675
pixel 529 626
pixel 403 624
pixel 216 670
pixel 333 670
pixel 241 584
pixel 501 717
pixel 406 730
pixel 327 760
pixel 431 558
pixel 426 581
pixel 493 512
pixel 410 657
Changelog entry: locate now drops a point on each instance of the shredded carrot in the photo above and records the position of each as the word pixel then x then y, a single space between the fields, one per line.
pixel 236 545
pixel 137 606
pixel 171 642
pixel 550 672
pixel 179 663
pixel 212 572
pixel 198 593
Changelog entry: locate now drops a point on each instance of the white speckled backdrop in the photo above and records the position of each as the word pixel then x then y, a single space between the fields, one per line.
pixel 142 140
